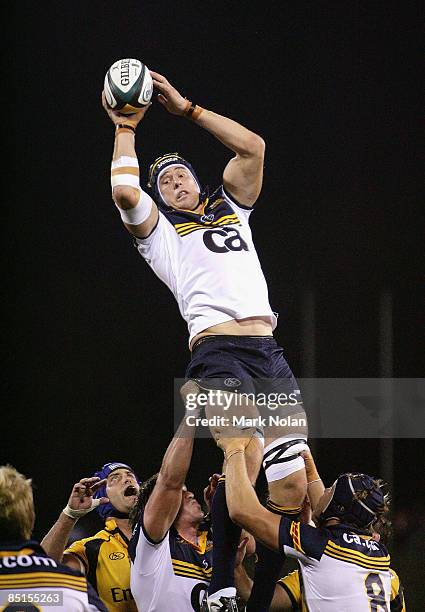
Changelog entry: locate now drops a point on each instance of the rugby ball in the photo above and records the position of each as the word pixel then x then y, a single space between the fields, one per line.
pixel 128 86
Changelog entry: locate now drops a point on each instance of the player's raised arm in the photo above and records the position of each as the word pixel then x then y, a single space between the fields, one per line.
pixel 242 501
pixel 165 500
pixel 137 209
pixel 243 175
pixel 80 502
pixel 315 486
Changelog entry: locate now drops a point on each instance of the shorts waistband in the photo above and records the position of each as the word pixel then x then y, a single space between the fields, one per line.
pixel 230 337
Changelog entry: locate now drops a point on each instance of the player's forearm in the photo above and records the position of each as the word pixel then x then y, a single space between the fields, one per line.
pixel 280 601
pixel 125 179
pixel 233 135
pixel 124 144
pixel 177 458
pixel 243 582
pixel 315 487
pixel 55 541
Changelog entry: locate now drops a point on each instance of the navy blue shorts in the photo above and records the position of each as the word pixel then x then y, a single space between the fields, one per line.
pixel 247 364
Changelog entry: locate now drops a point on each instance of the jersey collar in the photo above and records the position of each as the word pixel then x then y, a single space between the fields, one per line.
pixel 112 527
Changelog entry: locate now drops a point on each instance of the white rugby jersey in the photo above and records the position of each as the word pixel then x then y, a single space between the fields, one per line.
pixel 292 585
pixel 341 570
pixel 209 262
pixel 171 575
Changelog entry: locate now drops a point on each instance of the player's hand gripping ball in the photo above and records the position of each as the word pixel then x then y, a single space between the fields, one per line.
pixel 128 86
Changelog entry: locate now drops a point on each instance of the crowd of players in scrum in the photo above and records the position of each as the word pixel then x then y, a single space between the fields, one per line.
pixel 146 517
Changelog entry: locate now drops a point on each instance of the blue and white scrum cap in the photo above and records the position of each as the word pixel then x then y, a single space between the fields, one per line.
pixel 357 499
pixel 108 509
pixel 158 168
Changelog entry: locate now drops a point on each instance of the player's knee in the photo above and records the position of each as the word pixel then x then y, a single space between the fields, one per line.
pixel 189 391
pixel 291 490
pixel 295 485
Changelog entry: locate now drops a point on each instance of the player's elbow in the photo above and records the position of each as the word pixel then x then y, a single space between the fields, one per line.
pixel 125 197
pixel 255 146
pixel 238 515
pixel 169 480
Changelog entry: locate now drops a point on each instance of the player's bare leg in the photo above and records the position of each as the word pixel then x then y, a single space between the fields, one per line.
pixel 287 485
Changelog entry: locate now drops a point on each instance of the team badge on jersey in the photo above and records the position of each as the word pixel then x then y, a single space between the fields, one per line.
pixel 216 212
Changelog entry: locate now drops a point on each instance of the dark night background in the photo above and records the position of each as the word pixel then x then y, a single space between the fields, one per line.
pixel 93 339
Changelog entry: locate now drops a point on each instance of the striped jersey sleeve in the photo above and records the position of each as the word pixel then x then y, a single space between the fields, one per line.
pixel 297 539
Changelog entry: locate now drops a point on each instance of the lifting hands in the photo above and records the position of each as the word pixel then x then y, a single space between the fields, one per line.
pixel 168 95
pixel 118 118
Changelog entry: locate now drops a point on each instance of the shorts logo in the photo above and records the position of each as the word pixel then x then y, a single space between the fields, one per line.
pixel 232 382
pixel 116 556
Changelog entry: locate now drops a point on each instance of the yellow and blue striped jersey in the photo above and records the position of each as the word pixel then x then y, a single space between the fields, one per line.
pixel 293 587
pixel 170 575
pixel 341 568
pixel 30 580
pixel 107 565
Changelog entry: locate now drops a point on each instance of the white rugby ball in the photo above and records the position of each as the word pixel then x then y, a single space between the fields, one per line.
pixel 128 86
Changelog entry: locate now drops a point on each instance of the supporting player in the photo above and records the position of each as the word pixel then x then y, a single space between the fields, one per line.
pixel 289 593
pixel 342 566
pixel 29 578
pixel 103 558
pixel 171 550
pixel 200 245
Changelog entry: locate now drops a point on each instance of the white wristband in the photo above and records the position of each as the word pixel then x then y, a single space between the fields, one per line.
pixel 138 214
pixel 76 514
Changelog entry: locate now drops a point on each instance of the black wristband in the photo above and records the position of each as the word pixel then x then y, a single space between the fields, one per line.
pixel 125 126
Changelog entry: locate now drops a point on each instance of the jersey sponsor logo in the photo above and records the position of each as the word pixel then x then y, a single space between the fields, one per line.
pixel 119 594
pixel 209 217
pixel 232 382
pixel 114 466
pixel 351 538
pixel 26 561
pixel 167 160
pixel 116 556
pixel 224 240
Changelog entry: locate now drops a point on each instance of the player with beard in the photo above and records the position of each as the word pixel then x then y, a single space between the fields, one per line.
pixel 103 558
pixel 171 549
